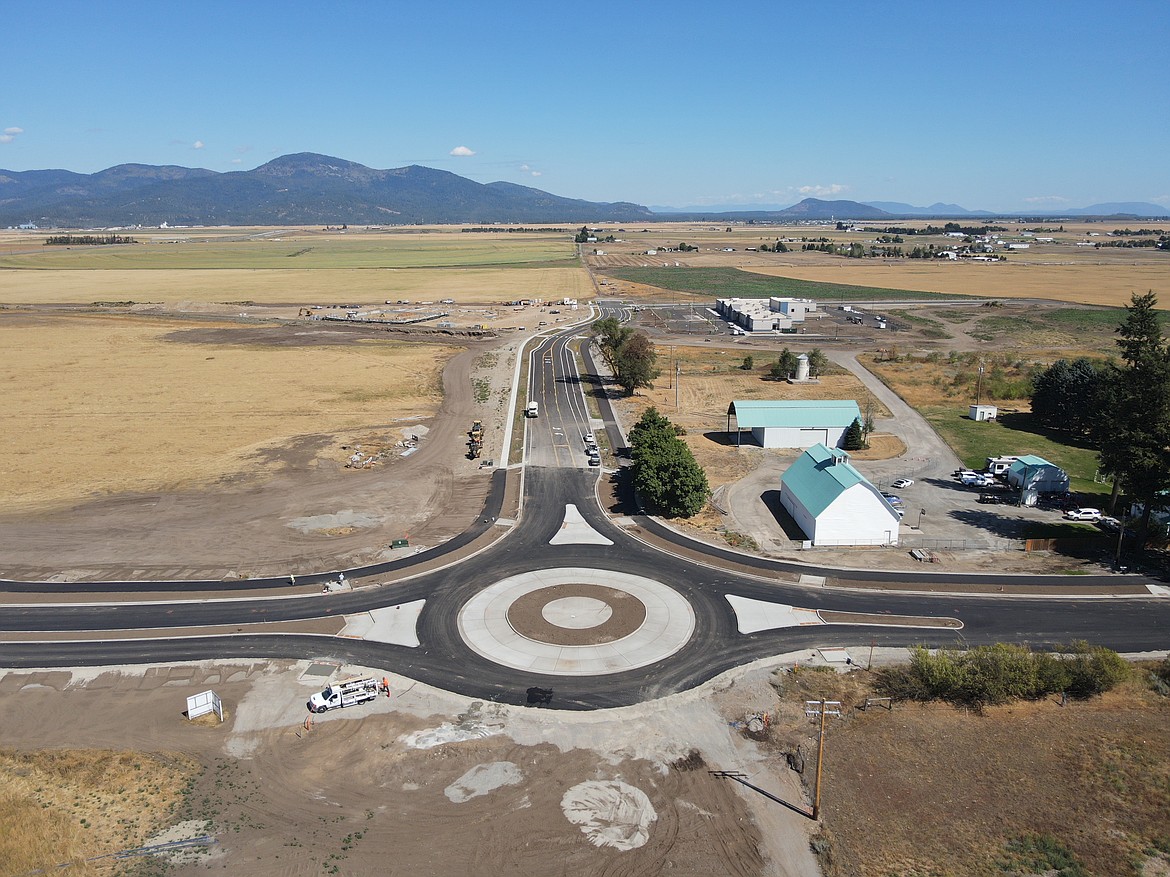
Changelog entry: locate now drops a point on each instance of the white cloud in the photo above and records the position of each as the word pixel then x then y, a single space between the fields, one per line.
pixel 6 138
pixel 237 161
pixel 13 131
pixel 527 169
pixel 1046 199
pixel 462 151
pixel 198 144
pixel 536 173
pixel 818 191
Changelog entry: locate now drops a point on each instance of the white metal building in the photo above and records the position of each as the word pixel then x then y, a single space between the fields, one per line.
pixel 762 315
pixel 793 423
pixel 833 503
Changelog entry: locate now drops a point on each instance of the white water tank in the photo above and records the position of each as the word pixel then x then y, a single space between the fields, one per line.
pixel 802 367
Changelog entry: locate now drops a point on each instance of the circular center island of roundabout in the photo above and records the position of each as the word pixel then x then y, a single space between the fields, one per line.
pixel 575 621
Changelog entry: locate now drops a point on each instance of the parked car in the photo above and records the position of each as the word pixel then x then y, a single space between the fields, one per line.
pixel 1110 524
pixel 1083 514
pixel 901 483
pixel 990 498
pixel 892 500
pixel 589 439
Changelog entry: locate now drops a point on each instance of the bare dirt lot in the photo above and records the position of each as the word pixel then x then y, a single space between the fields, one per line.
pixel 442 785
pixel 434 783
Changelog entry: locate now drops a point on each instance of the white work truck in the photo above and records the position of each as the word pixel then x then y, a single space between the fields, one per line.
pixel 347 692
pixel 533 410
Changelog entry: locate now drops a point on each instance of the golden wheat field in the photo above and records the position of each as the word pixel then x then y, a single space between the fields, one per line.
pixel 99 405
pixel 302 287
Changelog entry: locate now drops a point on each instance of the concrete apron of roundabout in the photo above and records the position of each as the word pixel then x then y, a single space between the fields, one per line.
pixel 576 621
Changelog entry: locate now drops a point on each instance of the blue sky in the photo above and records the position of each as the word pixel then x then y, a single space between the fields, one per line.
pixel 1001 106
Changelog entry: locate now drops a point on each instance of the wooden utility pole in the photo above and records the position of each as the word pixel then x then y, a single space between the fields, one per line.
pixel 820 708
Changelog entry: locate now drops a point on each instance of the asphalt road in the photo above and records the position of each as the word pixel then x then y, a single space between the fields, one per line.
pixel 557 476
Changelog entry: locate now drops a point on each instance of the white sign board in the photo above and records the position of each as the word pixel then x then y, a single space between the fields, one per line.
pixel 203 703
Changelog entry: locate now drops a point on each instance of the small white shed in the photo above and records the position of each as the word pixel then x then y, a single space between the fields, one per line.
pixel 982 412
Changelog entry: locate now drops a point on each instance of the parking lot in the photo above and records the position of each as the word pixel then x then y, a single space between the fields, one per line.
pixel 943 510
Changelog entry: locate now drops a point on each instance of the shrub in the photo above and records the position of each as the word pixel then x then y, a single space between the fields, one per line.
pixel 997 674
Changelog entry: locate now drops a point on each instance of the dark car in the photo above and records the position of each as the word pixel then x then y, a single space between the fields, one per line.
pixel 990 498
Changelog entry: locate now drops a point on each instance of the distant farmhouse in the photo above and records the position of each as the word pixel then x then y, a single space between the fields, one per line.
pixel 793 423
pixel 764 315
pixel 834 504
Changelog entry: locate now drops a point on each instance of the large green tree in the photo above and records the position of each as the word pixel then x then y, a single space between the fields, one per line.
pixel 665 472
pixel 1069 395
pixel 1134 436
pixel 629 354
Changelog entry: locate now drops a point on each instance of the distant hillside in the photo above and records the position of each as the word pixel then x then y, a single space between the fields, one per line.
pixel 1123 208
pixel 897 208
pixel 301 189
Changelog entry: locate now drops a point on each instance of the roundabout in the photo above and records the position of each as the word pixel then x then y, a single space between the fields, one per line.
pixel 575 621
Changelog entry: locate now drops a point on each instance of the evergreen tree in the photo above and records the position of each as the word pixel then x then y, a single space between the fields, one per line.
pixel 854 438
pixel 1135 435
pixel 785 365
pixel 1067 395
pixel 817 362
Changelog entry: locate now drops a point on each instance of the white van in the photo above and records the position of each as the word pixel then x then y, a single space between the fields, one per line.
pixel 533 410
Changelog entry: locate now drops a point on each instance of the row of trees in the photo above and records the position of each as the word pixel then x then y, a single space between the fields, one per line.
pixel 1123 407
pixel 80 240
pixel 665 472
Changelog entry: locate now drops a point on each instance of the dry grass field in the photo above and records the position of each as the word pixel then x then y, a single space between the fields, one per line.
pixel 933 790
pixel 59 806
pixel 710 379
pixel 292 248
pixel 301 287
pixel 100 405
pixel 1107 282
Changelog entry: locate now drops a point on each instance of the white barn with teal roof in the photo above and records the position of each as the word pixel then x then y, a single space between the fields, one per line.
pixel 833 503
pixel 793 423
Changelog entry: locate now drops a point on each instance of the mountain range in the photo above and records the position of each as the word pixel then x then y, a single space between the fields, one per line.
pixel 311 189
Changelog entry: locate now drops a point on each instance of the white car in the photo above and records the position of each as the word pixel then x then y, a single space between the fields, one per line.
pixel 1083 514
pixel 589 439
pixel 902 482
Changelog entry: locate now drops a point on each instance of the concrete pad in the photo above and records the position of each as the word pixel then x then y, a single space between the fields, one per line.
pixel 397 625
pixel 756 615
pixel 1158 590
pixel 575 530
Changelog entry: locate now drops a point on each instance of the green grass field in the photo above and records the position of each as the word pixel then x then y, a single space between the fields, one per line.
pixel 384 251
pixel 733 283
pixel 1016 434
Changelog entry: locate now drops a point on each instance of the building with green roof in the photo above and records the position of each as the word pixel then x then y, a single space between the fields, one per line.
pixel 833 503
pixel 793 423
